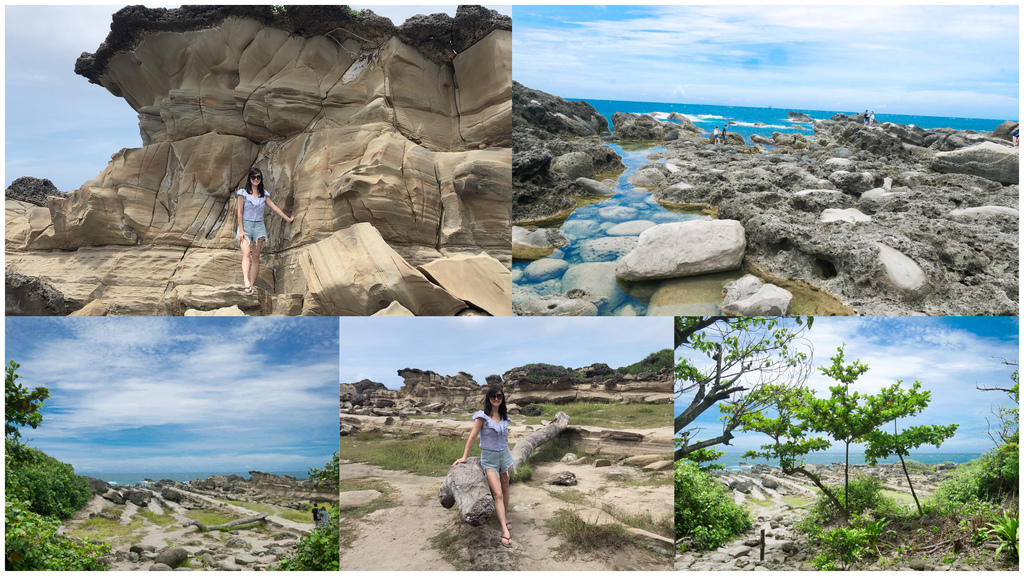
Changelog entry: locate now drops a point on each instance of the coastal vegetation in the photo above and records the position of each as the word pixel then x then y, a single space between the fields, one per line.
pixel 318 550
pixel 39 491
pixel 970 519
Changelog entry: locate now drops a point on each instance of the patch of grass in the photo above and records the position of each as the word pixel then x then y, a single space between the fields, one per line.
pixel 751 503
pixel 210 517
pixel 615 415
pixel 572 496
pixel 109 531
pixel 644 520
pixel 426 456
pixel 158 519
pixel 448 545
pixel 388 499
pixel 796 500
pixel 522 473
pixel 254 506
pixel 579 536
pixel 296 516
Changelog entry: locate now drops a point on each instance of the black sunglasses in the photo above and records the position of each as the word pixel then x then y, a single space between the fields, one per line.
pixel 497 396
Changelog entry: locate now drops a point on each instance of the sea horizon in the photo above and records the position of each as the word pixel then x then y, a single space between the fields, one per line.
pixel 131 478
pixel 745 119
pixel 734 461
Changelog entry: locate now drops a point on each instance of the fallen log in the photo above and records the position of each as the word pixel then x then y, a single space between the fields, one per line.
pixel 466 486
pixel 203 528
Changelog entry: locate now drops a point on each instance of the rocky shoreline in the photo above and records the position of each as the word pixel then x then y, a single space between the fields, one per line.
pixel 885 220
pixel 159 534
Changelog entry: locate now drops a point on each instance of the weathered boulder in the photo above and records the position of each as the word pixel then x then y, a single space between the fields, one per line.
pixel 535 244
pixel 749 296
pixel 987 159
pixel 556 305
pixel 478 280
pixel 32 190
pixel 31 297
pixel 798 117
pixel 172 557
pixel 354 272
pixel 684 249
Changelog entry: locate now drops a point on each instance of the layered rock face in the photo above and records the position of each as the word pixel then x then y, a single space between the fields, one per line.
pixel 405 131
pixel 544 383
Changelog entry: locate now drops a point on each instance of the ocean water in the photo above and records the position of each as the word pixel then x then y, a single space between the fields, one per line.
pixel 129 478
pixel 735 461
pixel 764 121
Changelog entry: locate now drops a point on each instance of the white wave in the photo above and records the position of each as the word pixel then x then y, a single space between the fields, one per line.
pixel 752 125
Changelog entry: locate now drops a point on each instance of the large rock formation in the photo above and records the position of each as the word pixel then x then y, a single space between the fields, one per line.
pixel 353 121
pixel 548 155
pixel 891 219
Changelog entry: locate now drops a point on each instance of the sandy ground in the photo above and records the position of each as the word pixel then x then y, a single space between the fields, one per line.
pixel 409 527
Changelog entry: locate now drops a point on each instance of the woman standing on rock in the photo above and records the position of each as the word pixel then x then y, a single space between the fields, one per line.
pixel 251 229
pixel 491 424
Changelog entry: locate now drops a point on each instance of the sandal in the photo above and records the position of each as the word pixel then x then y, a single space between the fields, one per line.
pixel 506 539
pixel 248 290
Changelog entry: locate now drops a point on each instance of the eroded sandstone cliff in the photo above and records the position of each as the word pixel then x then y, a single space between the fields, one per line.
pixel 405 131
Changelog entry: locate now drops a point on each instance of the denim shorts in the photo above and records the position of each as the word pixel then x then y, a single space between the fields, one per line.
pixel 498 460
pixel 254 229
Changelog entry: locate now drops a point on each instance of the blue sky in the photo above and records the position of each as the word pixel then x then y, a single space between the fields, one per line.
pixel 181 394
pixel 376 348
pixel 948 355
pixel 58 125
pixel 959 61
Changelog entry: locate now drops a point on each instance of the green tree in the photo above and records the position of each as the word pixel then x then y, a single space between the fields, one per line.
pixel 892 403
pixel 319 550
pixel 704 512
pixel 745 353
pixel 845 416
pixel 1008 417
pixel 330 473
pixel 48 486
pixel 22 407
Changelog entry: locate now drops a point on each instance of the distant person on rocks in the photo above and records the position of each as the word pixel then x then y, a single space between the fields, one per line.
pixel 491 424
pixel 725 128
pixel 867 118
pixel 1016 136
pixel 872 121
pixel 325 516
pixel 714 136
pixel 251 230
pixel 316 516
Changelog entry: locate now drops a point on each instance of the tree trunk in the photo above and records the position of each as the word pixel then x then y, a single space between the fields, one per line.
pixel 204 528
pixel 466 486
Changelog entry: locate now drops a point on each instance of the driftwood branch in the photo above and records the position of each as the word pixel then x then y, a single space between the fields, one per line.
pixel 466 486
pixel 203 528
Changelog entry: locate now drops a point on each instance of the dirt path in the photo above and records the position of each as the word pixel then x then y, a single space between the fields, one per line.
pixel 418 517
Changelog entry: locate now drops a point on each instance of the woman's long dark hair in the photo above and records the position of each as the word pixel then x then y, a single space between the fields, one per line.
pixel 248 182
pixel 502 410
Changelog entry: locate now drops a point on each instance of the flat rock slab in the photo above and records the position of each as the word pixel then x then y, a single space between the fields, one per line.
pixel 686 248
pixel 901 272
pixel 357 498
pixel 557 305
pixel 477 279
pixel 545 269
pixel 535 244
pixel 851 215
pixel 988 160
pixel 607 249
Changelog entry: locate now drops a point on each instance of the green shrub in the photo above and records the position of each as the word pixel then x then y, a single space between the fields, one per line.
pixel 50 486
pixel 991 477
pixel 654 362
pixel 31 542
pixel 865 495
pixel 704 511
pixel 843 545
pixel 317 551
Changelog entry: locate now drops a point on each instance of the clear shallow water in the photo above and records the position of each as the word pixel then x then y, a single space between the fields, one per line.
pixel 128 478
pixel 592 223
pixel 589 223
pixel 736 462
